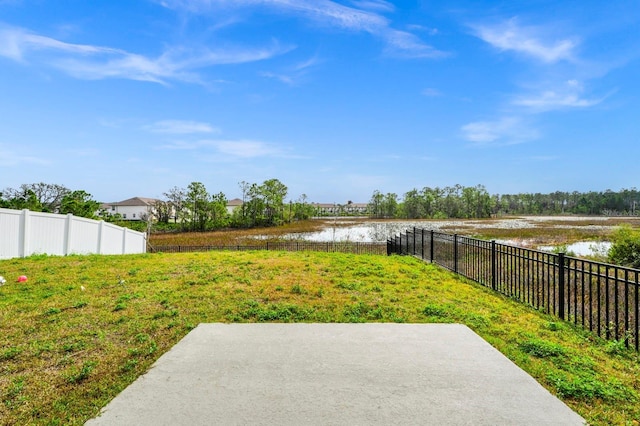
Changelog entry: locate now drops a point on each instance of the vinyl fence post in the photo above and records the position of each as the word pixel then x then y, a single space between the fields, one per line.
pixel 561 285
pixel 24 246
pixel 493 265
pixel 67 244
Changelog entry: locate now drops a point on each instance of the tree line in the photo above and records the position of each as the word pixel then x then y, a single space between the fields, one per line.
pixel 195 209
pixel 50 198
pixel 192 208
pixel 475 202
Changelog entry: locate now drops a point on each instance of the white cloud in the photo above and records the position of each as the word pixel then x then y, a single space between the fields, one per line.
pixel 293 75
pixel 10 158
pixel 505 131
pixel 527 40
pixel 374 5
pixel 326 12
pixel 550 100
pixel 242 148
pixel 431 92
pixel 97 62
pixel 565 96
pixel 180 127
pixel 246 148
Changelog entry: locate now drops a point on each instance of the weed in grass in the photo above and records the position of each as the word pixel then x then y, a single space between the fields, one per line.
pixel 437 311
pixel 297 289
pixel 77 375
pixel 129 365
pixel 587 387
pixel 12 395
pixel 80 304
pixel 352 286
pixel 10 353
pixel 542 348
pixel 120 307
pixel 52 311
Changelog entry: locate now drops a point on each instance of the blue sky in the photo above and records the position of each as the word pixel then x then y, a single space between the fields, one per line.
pixel 334 98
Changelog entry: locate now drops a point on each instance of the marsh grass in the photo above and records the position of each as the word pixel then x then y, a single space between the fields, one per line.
pixel 83 328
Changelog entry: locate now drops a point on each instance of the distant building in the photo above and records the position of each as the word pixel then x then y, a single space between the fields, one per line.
pixel 233 204
pixel 335 209
pixel 141 208
pixel 136 208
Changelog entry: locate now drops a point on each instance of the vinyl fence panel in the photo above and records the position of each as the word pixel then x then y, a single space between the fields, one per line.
pixel 23 233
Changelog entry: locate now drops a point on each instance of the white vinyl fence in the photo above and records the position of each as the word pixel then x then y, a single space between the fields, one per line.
pixel 23 233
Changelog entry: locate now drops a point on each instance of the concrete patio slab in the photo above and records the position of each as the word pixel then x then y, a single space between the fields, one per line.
pixel 335 374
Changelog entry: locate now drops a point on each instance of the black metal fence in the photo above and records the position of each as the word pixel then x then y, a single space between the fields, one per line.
pixel 599 297
pixel 329 247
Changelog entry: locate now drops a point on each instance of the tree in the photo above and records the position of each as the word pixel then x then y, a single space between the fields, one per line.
pixel 274 192
pixel 626 247
pixel 37 196
pixel 176 198
pixel 79 203
pixel 218 210
pixel 375 205
pixel 197 206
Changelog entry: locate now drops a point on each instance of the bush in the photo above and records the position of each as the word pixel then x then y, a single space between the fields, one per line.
pixel 626 247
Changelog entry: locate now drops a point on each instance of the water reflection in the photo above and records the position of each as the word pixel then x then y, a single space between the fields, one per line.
pixel 582 248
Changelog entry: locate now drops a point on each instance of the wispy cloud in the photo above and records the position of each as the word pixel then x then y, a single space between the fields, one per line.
pixel 566 96
pixel 505 131
pixel 180 127
pixel 364 17
pixel 528 40
pixel 242 148
pixel 374 5
pixel 98 62
pixel 431 92
pixel 11 158
pixel 294 74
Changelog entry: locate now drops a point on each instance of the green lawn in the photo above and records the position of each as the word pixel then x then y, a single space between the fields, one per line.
pixel 84 327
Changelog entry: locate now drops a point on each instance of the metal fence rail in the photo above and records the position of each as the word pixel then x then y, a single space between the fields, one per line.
pixel 329 247
pixel 597 296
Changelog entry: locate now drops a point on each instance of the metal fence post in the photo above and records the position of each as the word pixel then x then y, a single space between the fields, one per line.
pixel 493 265
pixel 422 244
pixel 455 253
pixel 561 285
pixel 431 248
pixel 388 247
pixel 414 241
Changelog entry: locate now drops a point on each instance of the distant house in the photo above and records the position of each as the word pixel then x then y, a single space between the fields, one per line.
pixel 233 204
pixel 136 208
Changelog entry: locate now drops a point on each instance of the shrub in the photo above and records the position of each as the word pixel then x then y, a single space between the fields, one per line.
pixel 626 247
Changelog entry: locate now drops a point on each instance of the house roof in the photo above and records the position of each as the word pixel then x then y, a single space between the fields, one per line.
pixel 135 202
pixel 235 202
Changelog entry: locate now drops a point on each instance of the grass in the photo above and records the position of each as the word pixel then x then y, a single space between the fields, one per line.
pixel 84 327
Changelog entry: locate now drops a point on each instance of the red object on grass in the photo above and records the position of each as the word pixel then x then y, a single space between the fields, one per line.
pixel 22 278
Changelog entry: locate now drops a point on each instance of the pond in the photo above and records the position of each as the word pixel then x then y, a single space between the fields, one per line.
pixel 342 230
pixel 582 248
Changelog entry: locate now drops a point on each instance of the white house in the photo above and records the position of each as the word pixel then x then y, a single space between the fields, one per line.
pixel 136 208
pixel 233 204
